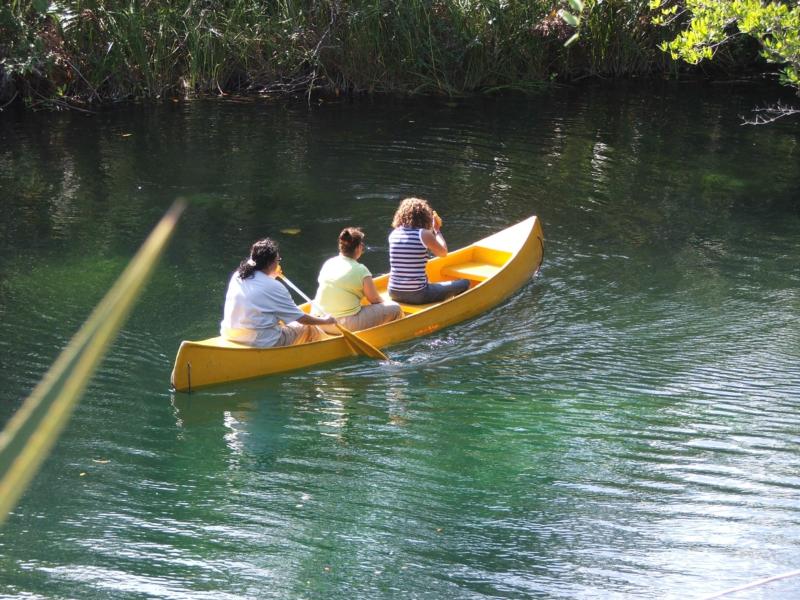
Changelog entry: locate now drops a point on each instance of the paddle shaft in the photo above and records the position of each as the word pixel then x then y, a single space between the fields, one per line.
pixel 301 294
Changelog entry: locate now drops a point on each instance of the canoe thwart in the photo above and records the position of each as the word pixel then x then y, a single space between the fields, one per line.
pixel 474 271
pixel 411 309
pixel 408 309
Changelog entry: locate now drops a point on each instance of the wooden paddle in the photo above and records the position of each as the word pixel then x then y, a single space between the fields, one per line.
pixel 356 343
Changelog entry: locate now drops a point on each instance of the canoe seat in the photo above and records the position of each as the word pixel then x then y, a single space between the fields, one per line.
pixel 474 271
pixel 408 309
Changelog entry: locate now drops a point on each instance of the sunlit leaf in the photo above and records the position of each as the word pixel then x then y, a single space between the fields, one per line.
pixel 576 5
pixel 568 17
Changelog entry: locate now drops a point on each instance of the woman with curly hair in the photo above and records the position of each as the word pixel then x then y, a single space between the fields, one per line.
pixel 259 310
pixel 417 230
pixel 343 282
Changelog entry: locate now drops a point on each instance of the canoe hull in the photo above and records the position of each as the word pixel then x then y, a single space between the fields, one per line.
pixel 499 265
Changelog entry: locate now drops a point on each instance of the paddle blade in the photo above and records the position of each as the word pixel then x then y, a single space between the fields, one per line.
pixel 362 346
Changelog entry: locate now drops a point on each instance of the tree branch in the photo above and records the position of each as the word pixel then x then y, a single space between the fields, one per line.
pixel 770 114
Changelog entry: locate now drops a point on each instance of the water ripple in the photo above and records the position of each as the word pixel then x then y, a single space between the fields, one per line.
pixel 624 426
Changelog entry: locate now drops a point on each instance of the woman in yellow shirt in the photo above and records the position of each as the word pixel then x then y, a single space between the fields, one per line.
pixel 343 282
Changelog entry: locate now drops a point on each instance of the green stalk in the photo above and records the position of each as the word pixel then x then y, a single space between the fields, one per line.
pixel 33 430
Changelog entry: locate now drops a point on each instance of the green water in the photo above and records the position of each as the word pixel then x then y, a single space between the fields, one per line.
pixel 626 426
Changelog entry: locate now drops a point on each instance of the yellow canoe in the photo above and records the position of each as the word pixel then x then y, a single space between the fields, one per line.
pixel 497 266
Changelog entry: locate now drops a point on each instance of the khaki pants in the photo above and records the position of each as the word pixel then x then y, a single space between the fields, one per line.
pixel 296 333
pixel 369 316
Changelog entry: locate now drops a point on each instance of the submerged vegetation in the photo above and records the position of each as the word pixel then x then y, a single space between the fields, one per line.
pixel 89 51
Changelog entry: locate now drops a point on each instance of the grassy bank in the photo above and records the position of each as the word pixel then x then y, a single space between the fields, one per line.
pixel 90 51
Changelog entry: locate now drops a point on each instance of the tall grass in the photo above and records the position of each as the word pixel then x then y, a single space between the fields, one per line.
pixel 95 50
pixel 619 38
pixel 450 47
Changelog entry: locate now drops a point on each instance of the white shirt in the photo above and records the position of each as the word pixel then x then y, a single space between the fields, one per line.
pixel 253 307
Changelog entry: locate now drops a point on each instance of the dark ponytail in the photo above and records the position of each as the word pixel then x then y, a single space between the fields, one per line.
pixel 262 254
pixel 349 240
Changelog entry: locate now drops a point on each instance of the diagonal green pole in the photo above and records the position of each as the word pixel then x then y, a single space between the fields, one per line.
pixel 33 430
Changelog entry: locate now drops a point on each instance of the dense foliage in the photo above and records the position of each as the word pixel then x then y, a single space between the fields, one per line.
pixel 80 51
pixel 776 26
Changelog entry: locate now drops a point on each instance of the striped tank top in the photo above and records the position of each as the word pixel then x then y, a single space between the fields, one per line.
pixel 407 258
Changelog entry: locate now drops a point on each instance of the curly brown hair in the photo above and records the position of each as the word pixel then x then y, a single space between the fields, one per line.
pixel 413 212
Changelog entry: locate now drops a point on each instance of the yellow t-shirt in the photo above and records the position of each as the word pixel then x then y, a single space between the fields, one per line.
pixel 341 286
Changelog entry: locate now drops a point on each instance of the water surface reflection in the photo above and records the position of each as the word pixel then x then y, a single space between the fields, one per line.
pixel 626 426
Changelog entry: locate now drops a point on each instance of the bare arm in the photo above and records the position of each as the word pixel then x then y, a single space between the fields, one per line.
pixel 370 291
pixel 310 320
pixel 434 241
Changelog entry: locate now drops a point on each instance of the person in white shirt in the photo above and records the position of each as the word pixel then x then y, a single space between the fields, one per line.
pixel 259 310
